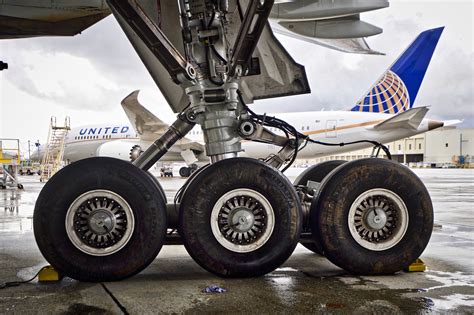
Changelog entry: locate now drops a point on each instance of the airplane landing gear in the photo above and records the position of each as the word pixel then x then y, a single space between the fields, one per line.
pixel 240 218
pixel 372 217
pixel 100 219
pixel 103 219
pixel 186 171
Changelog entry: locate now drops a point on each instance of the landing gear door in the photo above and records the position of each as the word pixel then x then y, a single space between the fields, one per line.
pixel 331 131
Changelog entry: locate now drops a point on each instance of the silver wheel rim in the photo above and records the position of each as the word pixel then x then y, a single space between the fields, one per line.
pixel 99 222
pixel 378 219
pixel 242 220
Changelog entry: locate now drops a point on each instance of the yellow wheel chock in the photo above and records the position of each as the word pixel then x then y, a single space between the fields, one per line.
pixel 417 266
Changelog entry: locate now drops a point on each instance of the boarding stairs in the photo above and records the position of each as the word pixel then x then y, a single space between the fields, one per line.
pixel 54 150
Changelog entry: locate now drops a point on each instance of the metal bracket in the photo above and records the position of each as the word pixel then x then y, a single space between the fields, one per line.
pixel 251 28
pixel 261 134
pixel 375 151
pixel 277 160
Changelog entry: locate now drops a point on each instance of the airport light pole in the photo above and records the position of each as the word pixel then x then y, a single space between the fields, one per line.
pixel 461 143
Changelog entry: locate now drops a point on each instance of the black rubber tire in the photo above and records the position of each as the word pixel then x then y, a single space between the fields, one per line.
pixel 340 189
pixel 200 196
pixel 184 171
pixel 316 173
pixel 158 185
pixel 124 179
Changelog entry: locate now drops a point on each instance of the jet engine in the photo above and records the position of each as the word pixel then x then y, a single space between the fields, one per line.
pixel 120 149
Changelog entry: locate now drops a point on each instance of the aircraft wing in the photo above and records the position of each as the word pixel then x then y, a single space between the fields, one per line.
pixel 347 45
pixel 149 127
pixel 334 24
pixel 409 119
pixel 20 19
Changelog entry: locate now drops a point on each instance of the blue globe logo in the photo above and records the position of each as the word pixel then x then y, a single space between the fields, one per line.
pixel 389 96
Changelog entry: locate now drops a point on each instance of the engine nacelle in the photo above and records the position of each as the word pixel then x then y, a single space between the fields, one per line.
pixel 119 149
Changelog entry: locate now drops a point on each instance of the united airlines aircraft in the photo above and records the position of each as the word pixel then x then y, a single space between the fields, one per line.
pixel 384 114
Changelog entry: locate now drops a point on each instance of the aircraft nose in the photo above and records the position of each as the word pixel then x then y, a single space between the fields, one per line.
pixel 434 124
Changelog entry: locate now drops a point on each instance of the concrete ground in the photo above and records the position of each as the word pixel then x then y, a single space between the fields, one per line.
pixel 306 283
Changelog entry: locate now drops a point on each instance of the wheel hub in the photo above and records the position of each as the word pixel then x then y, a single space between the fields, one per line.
pixel 99 222
pixel 242 220
pixel 374 217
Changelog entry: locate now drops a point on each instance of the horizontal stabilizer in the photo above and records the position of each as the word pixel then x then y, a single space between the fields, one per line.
pixel 146 125
pixel 409 119
pixel 451 123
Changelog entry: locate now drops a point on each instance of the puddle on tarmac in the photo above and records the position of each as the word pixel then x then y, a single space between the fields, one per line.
pixel 16 207
pixel 450 302
pixel 450 279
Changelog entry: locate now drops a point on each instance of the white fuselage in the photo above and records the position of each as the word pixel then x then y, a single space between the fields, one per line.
pixel 117 140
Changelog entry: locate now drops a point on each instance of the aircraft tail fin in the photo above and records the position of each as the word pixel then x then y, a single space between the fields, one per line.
pixel 398 87
pixel 146 125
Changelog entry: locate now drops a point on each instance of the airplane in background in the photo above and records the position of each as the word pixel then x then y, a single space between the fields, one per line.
pixel 384 114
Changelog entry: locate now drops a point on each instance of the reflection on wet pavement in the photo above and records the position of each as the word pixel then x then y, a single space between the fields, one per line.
pixel 306 283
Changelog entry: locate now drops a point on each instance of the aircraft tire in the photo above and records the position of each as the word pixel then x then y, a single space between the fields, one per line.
pixel 316 173
pixel 366 196
pixel 158 185
pixel 123 222
pixel 265 216
pixel 184 171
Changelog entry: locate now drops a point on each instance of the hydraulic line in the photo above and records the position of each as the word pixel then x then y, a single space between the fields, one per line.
pixel 290 130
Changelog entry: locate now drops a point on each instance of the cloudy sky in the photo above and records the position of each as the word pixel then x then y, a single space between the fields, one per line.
pixel 86 77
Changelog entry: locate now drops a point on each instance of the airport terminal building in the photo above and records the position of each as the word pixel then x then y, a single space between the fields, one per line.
pixel 446 147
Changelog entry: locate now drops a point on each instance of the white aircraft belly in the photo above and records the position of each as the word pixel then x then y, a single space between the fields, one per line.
pixel 81 150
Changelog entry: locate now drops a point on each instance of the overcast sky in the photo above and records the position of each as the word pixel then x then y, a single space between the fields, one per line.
pixel 86 76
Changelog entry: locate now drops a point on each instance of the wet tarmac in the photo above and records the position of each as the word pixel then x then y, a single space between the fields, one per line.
pixel 306 283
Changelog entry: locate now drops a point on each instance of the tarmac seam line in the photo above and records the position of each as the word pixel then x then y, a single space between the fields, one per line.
pixel 116 301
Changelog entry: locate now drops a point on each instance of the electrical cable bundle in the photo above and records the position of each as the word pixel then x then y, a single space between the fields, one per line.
pixel 289 130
